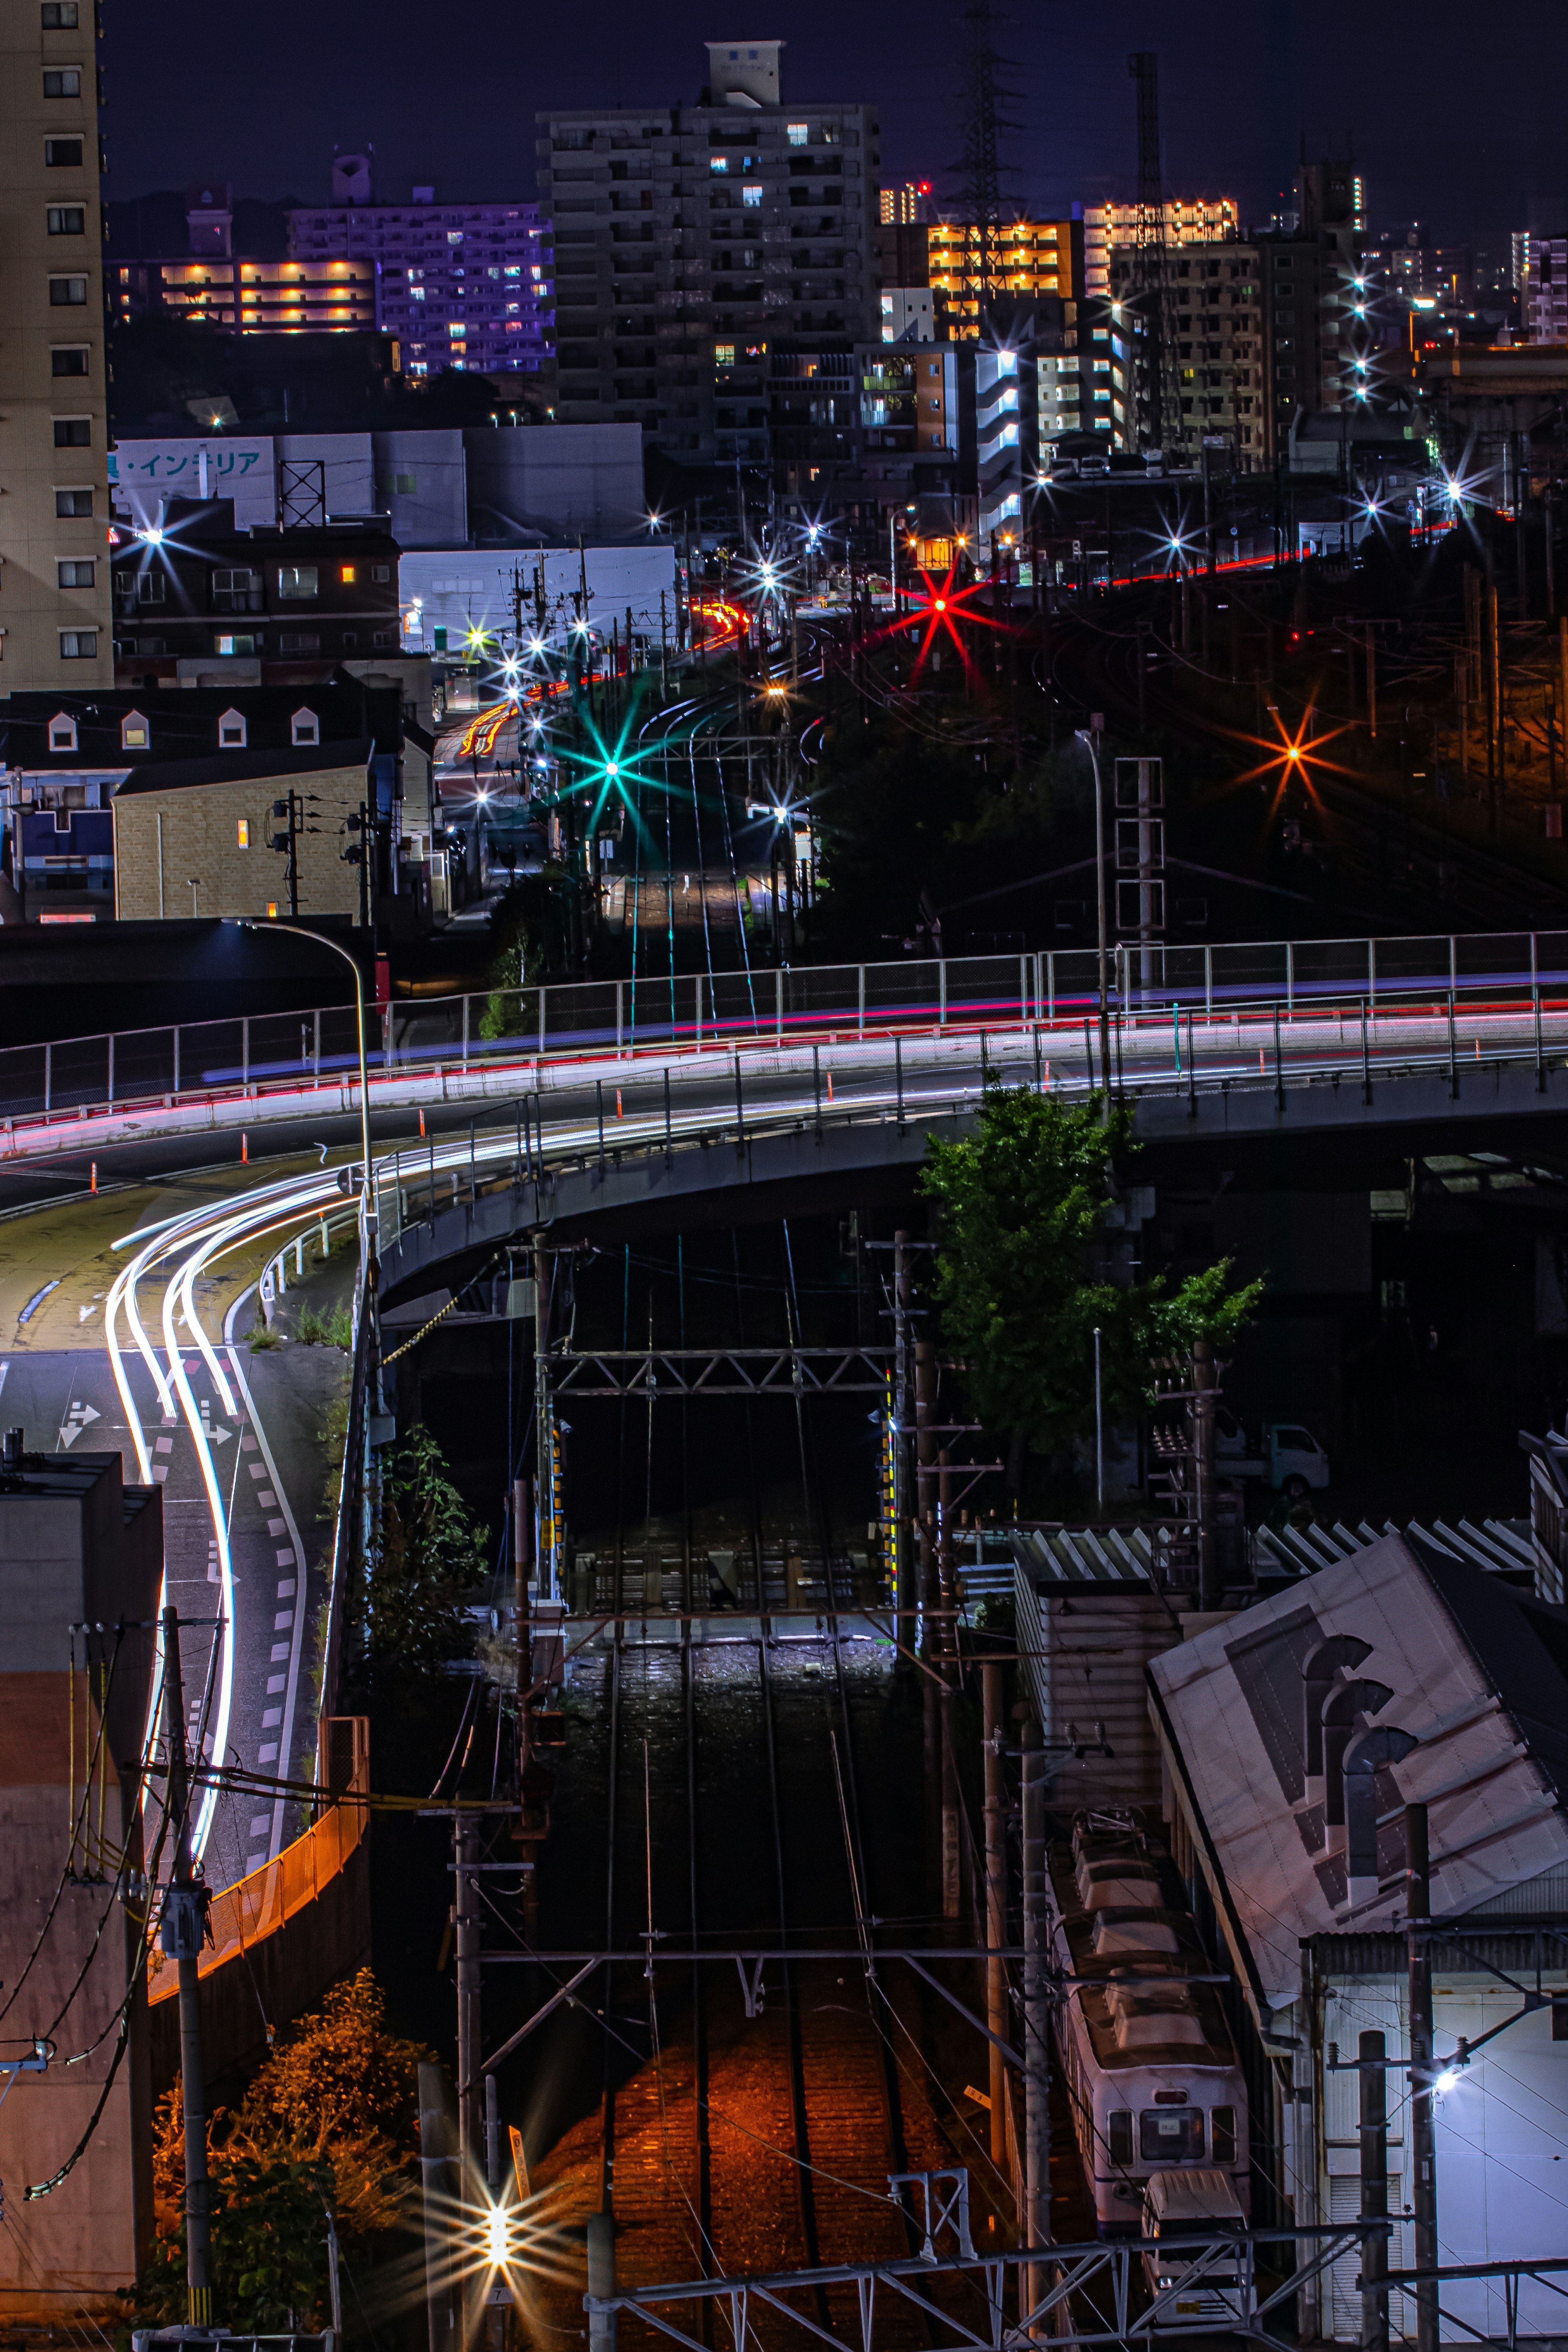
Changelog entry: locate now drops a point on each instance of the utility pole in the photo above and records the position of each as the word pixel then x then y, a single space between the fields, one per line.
pixel 521 1530
pixel 441 2193
pixel 1423 2192
pixel 1205 1385
pixel 184 1933
pixel 544 1426
pixel 1037 2025
pixel 899 1510
pixel 1089 737
pixel 292 812
pixel 465 1920
pixel 947 1636
pixel 1494 705
pixel 925 1474
pixel 1374 2118
pixel 500 2294
pixel 359 853
pixel 1371 684
pixel 995 1901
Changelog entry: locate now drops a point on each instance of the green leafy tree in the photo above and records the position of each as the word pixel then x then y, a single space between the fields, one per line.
pixel 329 2121
pixel 517 926
pixel 427 1555
pixel 1022 1199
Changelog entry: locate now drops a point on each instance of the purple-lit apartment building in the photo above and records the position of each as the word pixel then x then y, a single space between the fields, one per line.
pixel 461 286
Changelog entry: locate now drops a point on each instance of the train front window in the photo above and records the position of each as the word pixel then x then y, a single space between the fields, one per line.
pixel 1171 2135
pixel 1118 2135
pixel 1222 2134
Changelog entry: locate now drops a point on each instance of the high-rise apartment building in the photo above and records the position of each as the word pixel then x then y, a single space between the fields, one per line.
pixel 1546 289
pixel 970 267
pixel 53 556
pixel 904 206
pixel 1254 333
pixel 1188 220
pixel 690 241
pixel 461 286
pixel 249 298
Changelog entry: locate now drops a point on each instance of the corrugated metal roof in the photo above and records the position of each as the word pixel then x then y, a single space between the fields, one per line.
pixel 1120 1555
pixel 1468 1668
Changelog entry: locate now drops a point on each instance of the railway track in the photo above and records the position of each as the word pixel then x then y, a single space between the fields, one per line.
pixel 1389 858
pixel 759 1791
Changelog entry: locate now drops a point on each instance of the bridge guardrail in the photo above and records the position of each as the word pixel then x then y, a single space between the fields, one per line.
pixel 242 1056
pixel 414 1185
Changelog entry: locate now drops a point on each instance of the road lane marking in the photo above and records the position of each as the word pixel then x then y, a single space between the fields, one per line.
pixel 294 1558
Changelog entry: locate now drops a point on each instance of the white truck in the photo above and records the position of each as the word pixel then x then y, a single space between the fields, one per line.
pixel 1289 1457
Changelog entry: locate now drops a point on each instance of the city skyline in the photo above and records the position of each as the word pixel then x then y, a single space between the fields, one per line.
pixel 1234 114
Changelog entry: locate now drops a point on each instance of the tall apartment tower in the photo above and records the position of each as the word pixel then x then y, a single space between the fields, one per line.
pixel 54 417
pixel 691 241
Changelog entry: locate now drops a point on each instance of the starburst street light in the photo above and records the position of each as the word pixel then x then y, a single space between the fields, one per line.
pixel 765 580
pixel 608 771
pixel 1290 755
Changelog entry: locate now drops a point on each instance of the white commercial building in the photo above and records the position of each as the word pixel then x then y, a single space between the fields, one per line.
pixel 454 598
pixel 519 486
pixel 1292 1737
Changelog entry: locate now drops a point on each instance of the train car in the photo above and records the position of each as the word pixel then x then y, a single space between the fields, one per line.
pixel 1148 2061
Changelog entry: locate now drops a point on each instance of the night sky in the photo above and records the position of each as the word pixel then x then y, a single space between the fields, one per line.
pixel 1456 115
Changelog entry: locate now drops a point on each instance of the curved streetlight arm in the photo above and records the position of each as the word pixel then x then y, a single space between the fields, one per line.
pixel 367 1189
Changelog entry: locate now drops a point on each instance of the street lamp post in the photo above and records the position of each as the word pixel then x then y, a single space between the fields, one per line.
pixel 1086 736
pixel 367 1190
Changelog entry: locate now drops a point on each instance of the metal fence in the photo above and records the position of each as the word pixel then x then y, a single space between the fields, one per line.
pixel 194 1060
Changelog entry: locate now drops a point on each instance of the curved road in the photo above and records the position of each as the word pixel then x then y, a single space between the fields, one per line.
pixel 122 1305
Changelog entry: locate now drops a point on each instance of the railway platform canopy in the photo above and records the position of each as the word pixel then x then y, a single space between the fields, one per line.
pixel 1292 1736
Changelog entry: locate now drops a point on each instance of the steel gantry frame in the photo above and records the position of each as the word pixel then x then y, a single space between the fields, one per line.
pixel 1108 2271
pixel 718 1371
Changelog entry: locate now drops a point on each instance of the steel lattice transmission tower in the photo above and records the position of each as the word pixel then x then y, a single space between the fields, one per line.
pixel 1160 404
pixel 981 170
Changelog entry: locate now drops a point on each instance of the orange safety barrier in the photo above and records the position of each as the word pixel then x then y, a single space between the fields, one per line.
pixel 256 1905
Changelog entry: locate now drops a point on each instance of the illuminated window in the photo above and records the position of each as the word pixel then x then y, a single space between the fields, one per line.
pixel 347 573
pixel 723 355
pixel 242 832
pixel 272 906
pixel 134 734
pixel 796 133
pixel 751 195
pixel 296 582
pixel 718 163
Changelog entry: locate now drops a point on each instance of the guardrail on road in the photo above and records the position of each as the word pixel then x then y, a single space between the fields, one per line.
pixel 194 1061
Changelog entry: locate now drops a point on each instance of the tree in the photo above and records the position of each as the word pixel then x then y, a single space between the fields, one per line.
pixel 426 1557
pixel 1022 1201
pixel 329 2121
pixel 517 926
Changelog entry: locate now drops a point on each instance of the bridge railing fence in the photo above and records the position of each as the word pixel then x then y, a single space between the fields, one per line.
pixel 768 1006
